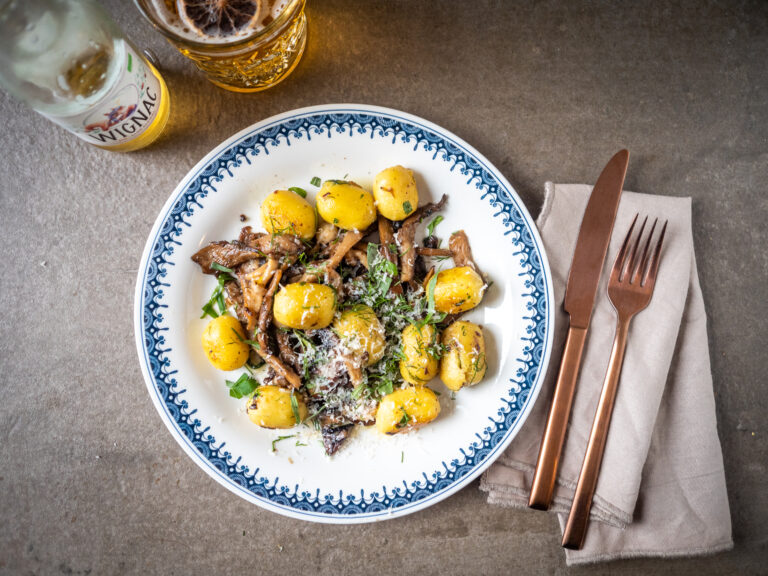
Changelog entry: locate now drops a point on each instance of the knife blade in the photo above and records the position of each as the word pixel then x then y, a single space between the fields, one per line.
pixel 592 243
pixel 583 279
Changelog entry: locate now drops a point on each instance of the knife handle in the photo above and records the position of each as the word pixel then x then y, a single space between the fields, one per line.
pixel 557 422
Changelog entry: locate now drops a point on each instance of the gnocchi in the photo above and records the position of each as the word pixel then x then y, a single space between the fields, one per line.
pixel 463 362
pixel 361 332
pixel 276 407
pixel 224 343
pixel 346 205
pixel 407 409
pixel 304 306
pixel 285 212
pixel 458 290
pixel 395 192
pixel 336 326
pixel 419 362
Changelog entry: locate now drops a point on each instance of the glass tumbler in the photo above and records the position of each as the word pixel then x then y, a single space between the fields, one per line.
pixel 248 60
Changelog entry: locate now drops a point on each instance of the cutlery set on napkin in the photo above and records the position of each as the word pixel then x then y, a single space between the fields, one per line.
pixel 629 458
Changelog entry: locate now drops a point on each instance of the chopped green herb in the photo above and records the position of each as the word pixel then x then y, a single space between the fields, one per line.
pixel 300 191
pixel 290 229
pixel 217 298
pixel 301 443
pixel 315 181
pixel 407 207
pixel 280 439
pixel 433 316
pixel 404 420
pixel 243 386
pixel 381 273
pixel 359 390
pixel 477 364
pixel 335 220
pixel 295 408
pixel 209 310
pixel 220 268
pixel 244 341
pixel 221 302
pixel 251 367
pixel 402 456
pixel 432 225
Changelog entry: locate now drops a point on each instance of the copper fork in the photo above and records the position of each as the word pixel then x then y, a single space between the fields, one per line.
pixel 630 288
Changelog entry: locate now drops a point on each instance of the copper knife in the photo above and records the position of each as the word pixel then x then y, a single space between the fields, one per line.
pixel 583 279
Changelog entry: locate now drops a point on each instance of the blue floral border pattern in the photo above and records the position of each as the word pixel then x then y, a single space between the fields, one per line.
pixel 338 125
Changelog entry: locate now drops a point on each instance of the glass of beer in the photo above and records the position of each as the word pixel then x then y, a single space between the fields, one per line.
pixel 240 45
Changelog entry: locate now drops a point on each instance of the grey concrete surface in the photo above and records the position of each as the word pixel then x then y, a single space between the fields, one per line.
pixel 91 482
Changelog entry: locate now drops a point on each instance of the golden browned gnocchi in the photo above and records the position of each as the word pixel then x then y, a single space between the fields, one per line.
pixel 458 290
pixel 407 409
pixel 395 192
pixel 419 363
pixel 272 407
pixel 304 306
pixel 331 321
pixel 361 332
pixel 285 212
pixel 463 362
pixel 223 342
pixel 346 205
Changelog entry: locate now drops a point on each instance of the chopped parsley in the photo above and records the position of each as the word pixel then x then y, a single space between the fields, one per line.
pixel 315 181
pixel 300 191
pixel 243 386
pixel 407 208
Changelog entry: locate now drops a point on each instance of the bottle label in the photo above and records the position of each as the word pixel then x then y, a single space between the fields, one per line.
pixel 125 112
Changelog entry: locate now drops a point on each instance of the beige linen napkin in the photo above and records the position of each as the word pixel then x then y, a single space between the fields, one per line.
pixel 661 490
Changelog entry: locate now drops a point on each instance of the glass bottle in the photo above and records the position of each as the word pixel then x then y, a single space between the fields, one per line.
pixel 69 61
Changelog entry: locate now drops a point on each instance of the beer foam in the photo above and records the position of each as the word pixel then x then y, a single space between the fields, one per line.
pixel 167 13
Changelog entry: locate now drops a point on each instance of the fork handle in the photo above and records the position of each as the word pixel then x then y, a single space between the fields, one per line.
pixel 576 526
pixel 557 422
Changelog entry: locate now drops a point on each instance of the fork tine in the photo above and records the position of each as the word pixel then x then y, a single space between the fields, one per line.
pixel 632 264
pixel 653 268
pixel 618 264
pixel 643 266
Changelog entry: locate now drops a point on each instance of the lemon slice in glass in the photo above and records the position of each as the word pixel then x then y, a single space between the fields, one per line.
pixel 219 18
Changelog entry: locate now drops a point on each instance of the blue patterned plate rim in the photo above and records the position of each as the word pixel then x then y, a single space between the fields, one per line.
pixel 165 391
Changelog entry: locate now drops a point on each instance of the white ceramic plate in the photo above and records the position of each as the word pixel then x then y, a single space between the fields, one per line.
pixel 372 477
